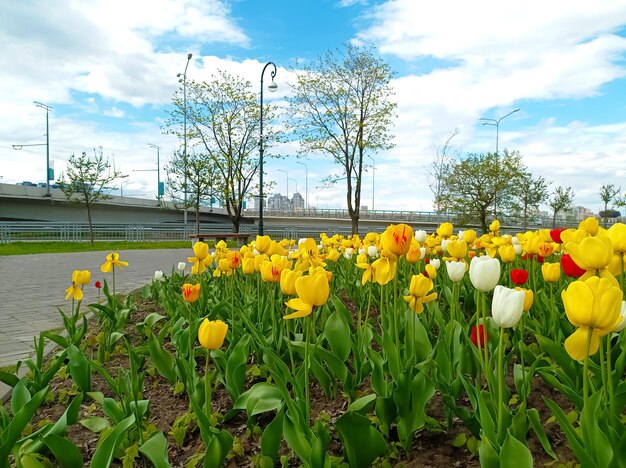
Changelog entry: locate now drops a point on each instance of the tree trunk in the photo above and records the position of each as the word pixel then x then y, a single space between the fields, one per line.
pixel 483 222
pixel 355 223
pixel 525 217
pixel 90 223
pixel 554 220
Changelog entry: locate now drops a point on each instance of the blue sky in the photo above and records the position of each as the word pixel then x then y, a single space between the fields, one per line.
pixel 108 68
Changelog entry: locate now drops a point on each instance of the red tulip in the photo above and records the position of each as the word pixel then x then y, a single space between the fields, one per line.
pixel 484 335
pixel 556 235
pixel 98 284
pixel 528 256
pixel 570 268
pixel 519 276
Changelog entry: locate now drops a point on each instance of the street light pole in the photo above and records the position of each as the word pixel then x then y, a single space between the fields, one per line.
pixel 287 175
pixel 47 108
pixel 184 81
pixel 306 182
pixel 158 148
pixel 373 178
pixel 296 181
pixel 496 123
pixel 272 87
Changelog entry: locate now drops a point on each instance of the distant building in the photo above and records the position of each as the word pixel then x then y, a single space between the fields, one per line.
pixel 278 202
pixel 297 202
pixel 582 213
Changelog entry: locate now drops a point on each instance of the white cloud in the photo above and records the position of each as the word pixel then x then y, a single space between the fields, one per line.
pixel 114 112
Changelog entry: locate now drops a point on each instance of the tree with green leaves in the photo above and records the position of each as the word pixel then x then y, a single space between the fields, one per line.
pixel 531 192
pixel 341 106
pixel 608 193
pixel 473 184
pixel 561 200
pixel 201 178
pixel 87 180
pixel 223 116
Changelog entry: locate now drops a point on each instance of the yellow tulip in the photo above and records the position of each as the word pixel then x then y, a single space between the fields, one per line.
pixel 594 306
pixel 590 225
pixel 431 271
pixel 591 253
pixel 112 260
pixel 507 253
pixel 545 249
pixel 263 244
pixel 383 270
pixel 494 226
pixel 414 253
pixel 551 272
pixel 528 299
pixel 288 281
pixel 81 277
pixel 617 235
pixel 247 265
pixel 211 333
pixel 200 250
pixel 397 239
pixel 270 271
pixel 198 267
pixel 191 292
pixel 418 293
pixel 469 236
pixel 445 230
pixel 312 290
pixel 457 249
pixel 333 255
pixel 259 260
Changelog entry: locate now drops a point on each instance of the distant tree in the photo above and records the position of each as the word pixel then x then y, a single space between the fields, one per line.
pixel 341 106
pixel 531 192
pixel 472 185
pixel 87 180
pixel 608 193
pixel 202 182
pixel 223 118
pixel 561 200
pixel 445 155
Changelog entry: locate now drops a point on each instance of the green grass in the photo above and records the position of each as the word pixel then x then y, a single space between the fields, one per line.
pixel 25 248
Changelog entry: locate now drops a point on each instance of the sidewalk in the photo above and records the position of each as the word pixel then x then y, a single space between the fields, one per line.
pixel 32 286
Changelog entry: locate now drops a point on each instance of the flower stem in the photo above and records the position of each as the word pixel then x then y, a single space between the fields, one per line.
pixel 609 373
pixel 207 387
pixel 307 396
pixel 586 371
pixel 500 380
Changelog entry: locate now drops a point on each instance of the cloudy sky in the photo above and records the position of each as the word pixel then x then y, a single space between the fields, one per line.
pixel 108 69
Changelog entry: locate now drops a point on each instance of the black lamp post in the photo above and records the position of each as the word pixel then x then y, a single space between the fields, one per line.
pixel 272 87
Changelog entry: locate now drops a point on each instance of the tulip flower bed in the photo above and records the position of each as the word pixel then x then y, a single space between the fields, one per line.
pixel 398 348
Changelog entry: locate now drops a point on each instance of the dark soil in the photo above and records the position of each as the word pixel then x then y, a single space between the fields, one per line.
pixel 431 448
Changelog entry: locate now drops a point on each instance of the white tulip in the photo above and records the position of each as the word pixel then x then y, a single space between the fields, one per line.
pixel 460 235
pixel 420 235
pixel 444 245
pixel 422 253
pixel 158 275
pixel 507 306
pixel 348 253
pixel 515 240
pixel 361 251
pixel 372 251
pixel 456 270
pixel 181 266
pixel 436 263
pixel 518 249
pixel 484 272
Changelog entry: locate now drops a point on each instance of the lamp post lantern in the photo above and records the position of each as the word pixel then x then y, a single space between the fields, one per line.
pixel 184 82
pixel 272 87
pixel 306 182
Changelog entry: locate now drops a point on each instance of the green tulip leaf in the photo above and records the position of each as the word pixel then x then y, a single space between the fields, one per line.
pixel 155 449
pixel 362 442
pixel 514 454
pixel 66 453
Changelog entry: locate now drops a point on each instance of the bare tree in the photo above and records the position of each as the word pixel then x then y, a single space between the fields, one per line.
pixel 341 106
pixel 202 182
pixel 445 155
pixel 86 181
pixel 608 193
pixel 531 193
pixel 561 200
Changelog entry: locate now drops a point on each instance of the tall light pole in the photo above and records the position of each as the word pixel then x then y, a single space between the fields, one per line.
pixel 296 181
pixel 272 87
pixel 306 182
pixel 496 123
pixel 373 178
pixel 159 188
pixel 184 82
